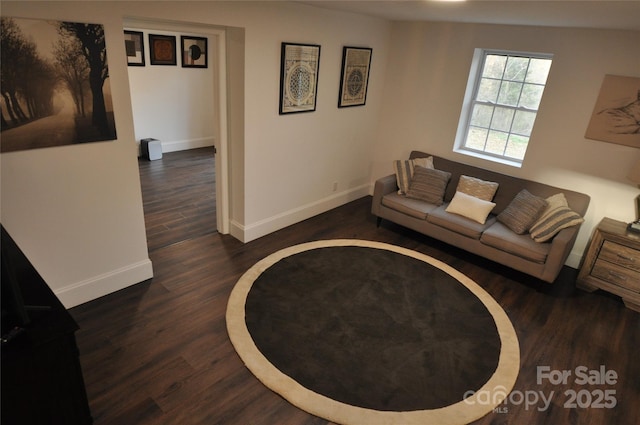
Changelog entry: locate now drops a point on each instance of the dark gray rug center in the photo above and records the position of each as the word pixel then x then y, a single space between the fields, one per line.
pixel 372 328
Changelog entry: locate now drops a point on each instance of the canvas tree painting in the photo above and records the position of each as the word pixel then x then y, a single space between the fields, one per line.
pixel 55 84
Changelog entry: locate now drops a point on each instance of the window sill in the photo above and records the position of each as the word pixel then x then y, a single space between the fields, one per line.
pixel 499 160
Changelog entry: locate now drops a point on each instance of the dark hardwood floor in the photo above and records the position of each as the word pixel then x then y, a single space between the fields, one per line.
pixel 158 352
pixel 179 196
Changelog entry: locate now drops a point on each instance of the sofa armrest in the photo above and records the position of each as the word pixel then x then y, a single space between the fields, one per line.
pixel 383 186
pixel 561 246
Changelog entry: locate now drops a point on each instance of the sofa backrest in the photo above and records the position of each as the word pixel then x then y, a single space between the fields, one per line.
pixel 508 188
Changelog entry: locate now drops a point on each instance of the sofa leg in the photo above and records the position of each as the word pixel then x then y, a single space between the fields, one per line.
pixel 378 221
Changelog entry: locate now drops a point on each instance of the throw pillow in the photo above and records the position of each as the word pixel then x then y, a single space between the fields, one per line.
pixel 470 207
pixel 428 185
pixel 556 220
pixel 522 212
pixel 423 162
pixel 404 171
pixel 553 202
pixel 476 187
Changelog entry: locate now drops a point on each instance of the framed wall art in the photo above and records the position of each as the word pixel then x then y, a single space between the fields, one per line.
pixel 299 68
pixel 354 80
pixel 194 52
pixel 616 112
pixel 134 46
pixel 162 49
pixel 64 64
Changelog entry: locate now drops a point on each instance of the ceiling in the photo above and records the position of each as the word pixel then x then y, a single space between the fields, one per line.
pixel 603 14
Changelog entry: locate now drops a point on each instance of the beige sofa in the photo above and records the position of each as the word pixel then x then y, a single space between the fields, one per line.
pixel 492 239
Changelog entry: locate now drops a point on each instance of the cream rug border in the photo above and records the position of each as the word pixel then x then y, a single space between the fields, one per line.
pixel 498 386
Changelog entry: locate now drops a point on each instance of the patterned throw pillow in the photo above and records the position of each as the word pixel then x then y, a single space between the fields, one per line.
pixel 404 171
pixel 428 185
pixel 556 216
pixel 423 162
pixel 475 187
pixel 522 212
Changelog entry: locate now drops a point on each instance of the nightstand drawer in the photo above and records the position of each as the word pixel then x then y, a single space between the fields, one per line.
pixel 617 275
pixel 620 255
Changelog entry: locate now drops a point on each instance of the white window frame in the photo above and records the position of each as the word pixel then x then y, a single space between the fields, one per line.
pixel 473 83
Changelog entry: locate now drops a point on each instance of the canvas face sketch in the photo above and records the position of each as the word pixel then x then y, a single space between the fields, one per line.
pixel 616 115
pixel 55 84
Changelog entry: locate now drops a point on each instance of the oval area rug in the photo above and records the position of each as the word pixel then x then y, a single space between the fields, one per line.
pixel 361 332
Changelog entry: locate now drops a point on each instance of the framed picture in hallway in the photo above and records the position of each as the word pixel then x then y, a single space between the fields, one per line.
pixel 194 52
pixel 354 80
pixel 162 49
pixel 134 46
pixel 53 90
pixel 299 77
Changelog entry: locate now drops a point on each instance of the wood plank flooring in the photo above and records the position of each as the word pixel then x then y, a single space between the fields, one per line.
pixel 158 352
pixel 179 196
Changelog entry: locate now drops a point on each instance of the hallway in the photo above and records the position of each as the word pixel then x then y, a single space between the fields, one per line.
pixel 179 196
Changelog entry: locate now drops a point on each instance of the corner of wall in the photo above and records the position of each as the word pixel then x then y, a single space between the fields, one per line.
pixel 261 228
pixel 101 285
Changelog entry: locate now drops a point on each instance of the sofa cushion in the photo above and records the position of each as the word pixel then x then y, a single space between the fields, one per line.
pixel 501 237
pixel 458 223
pixel 522 212
pixel 412 207
pixel 471 207
pixel 476 187
pixel 428 185
pixel 404 171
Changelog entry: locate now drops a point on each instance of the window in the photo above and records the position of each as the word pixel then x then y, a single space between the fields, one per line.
pixel 501 103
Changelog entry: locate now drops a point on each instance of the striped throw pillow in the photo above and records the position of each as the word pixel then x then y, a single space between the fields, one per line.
pixel 552 222
pixel 522 212
pixel 428 185
pixel 404 171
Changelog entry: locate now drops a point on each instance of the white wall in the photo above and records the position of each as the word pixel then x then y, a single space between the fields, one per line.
pixel 171 103
pixel 77 211
pixel 425 86
pixel 292 161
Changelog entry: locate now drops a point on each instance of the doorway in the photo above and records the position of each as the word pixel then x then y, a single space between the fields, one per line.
pixel 208 109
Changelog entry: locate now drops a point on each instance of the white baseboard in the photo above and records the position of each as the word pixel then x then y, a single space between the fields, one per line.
pixel 247 233
pixel 574 260
pixel 183 145
pixel 264 227
pixel 98 286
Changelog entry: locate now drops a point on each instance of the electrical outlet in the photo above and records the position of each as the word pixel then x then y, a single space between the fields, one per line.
pixel 335 186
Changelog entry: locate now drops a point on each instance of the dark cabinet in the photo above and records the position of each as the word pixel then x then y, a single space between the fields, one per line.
pixel 42 379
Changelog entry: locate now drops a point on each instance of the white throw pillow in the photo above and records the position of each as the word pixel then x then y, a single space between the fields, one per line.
pixel 470 207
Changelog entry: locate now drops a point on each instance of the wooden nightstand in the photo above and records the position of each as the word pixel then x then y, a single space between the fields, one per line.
pixel 612 262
